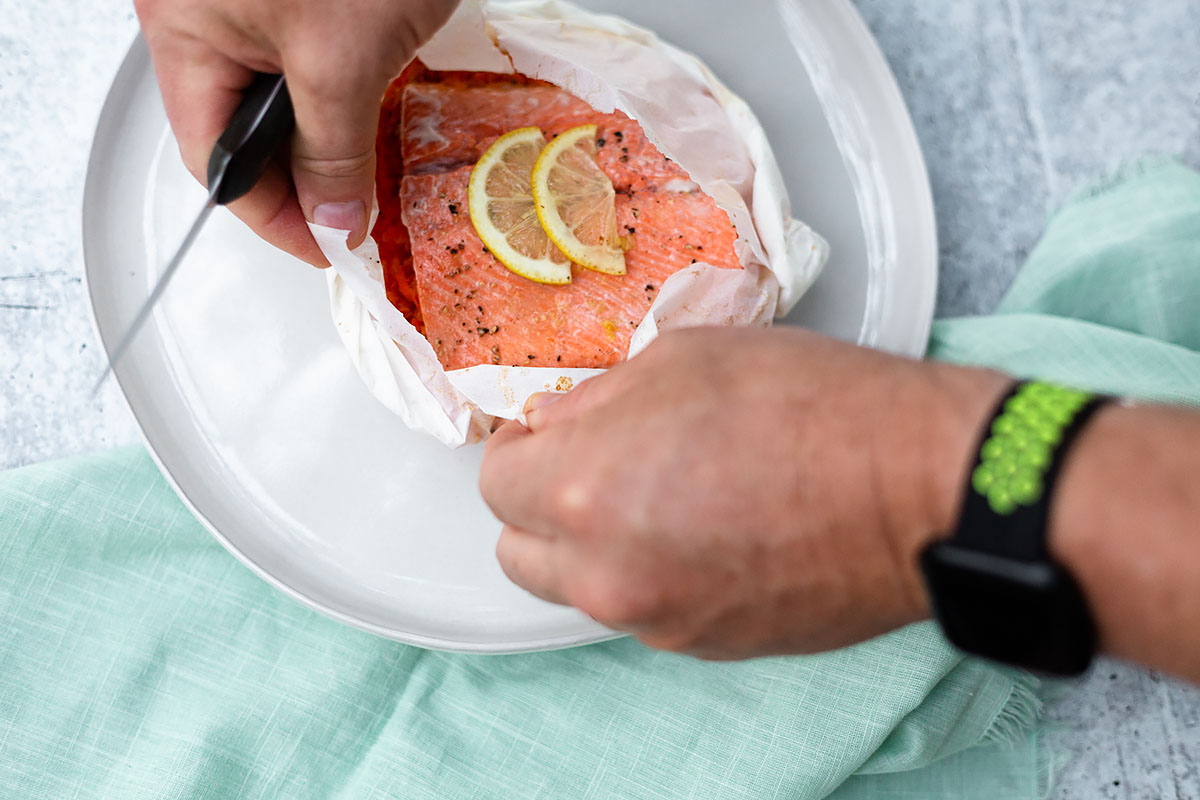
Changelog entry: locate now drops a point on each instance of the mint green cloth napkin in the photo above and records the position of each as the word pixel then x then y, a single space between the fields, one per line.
pixel 138 659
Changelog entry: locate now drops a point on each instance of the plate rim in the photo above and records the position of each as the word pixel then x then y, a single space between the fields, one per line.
pixel 916 343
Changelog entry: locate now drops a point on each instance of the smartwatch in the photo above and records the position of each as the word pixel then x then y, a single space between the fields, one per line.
pixel 993 585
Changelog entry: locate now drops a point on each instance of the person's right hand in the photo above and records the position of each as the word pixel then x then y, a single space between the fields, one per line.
pixel 338 58
pixel 738 492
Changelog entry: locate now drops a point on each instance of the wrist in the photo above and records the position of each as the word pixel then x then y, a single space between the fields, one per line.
pixel 1079 522
pixel 941 422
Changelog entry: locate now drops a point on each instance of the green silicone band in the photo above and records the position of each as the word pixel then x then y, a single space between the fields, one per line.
pixel 1018 453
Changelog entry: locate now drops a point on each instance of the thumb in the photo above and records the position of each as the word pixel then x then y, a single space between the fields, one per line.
pixel 333 149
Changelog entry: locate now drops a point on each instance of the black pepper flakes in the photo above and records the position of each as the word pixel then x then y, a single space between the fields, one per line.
pixel 559 358
pixel 620 136
pixel 693 261
pixel 453 208
pixel 600 143
pixel 531 356
pixel 635 213
pixel 649 287
pixel 624 159
pixel 632 230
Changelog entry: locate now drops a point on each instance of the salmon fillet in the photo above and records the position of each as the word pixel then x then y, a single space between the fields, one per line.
pixel 445 127
pixel 476 311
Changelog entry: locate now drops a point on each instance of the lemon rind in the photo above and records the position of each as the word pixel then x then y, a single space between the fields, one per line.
pixel 599 258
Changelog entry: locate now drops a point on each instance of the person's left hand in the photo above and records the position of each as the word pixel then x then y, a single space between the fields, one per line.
pixel 732 493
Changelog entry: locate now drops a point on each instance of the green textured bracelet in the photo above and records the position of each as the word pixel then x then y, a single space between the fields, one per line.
pixel 1014 459
pixel 993 584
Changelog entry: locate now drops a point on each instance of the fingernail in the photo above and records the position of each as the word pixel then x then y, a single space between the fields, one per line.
pixel 346 216
pixel 540 400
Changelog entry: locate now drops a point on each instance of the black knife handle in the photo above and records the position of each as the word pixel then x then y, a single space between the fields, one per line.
pixel 258 130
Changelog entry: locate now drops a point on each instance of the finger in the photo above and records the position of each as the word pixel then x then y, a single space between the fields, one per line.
pixel 201 88
pixel 532 563
pixel 272 211
pixel 521 481
pixel 507 472
pixel 537 406
pixel 337 101
pixel 333 151
pixel 509 430
pixel 544 409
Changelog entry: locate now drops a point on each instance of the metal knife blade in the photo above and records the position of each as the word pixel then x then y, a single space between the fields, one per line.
pixel 259 129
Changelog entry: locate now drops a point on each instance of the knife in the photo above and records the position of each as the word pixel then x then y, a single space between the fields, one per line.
pixel 259 129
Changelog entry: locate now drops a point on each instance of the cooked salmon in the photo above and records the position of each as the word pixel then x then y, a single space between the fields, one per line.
pixel 469 305
pixel 447 126
pixel 477 311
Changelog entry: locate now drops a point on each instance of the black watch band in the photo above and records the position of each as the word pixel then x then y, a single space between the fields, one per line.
pixel 993 585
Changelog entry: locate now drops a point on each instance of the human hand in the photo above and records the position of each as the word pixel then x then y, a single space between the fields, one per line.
pixel 738 492
pixel 338 59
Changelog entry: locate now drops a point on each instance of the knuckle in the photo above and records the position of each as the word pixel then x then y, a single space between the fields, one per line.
pixel 664 344
pixel 605 601
pixel 312 78
pixel 316 80
pixel 610 597
pixel 670 347
pixel 672 641
pixel 147 10
pixel 574 503
pixel 507 556
pixel 334 167
pixel 408 30
pixel 489 482
pixel 407 36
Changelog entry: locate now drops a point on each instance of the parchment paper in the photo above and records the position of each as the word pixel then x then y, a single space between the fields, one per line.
pixel 684 110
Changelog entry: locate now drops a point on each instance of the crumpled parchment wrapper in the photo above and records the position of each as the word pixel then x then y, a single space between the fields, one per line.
pixel 688 114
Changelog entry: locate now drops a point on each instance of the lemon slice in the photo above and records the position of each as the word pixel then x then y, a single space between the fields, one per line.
pixel 576 203
pixel 503 213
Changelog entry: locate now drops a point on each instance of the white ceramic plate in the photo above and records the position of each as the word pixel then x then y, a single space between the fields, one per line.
pixel 254 413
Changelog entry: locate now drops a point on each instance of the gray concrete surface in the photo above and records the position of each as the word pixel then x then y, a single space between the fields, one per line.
pixel 1017 102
